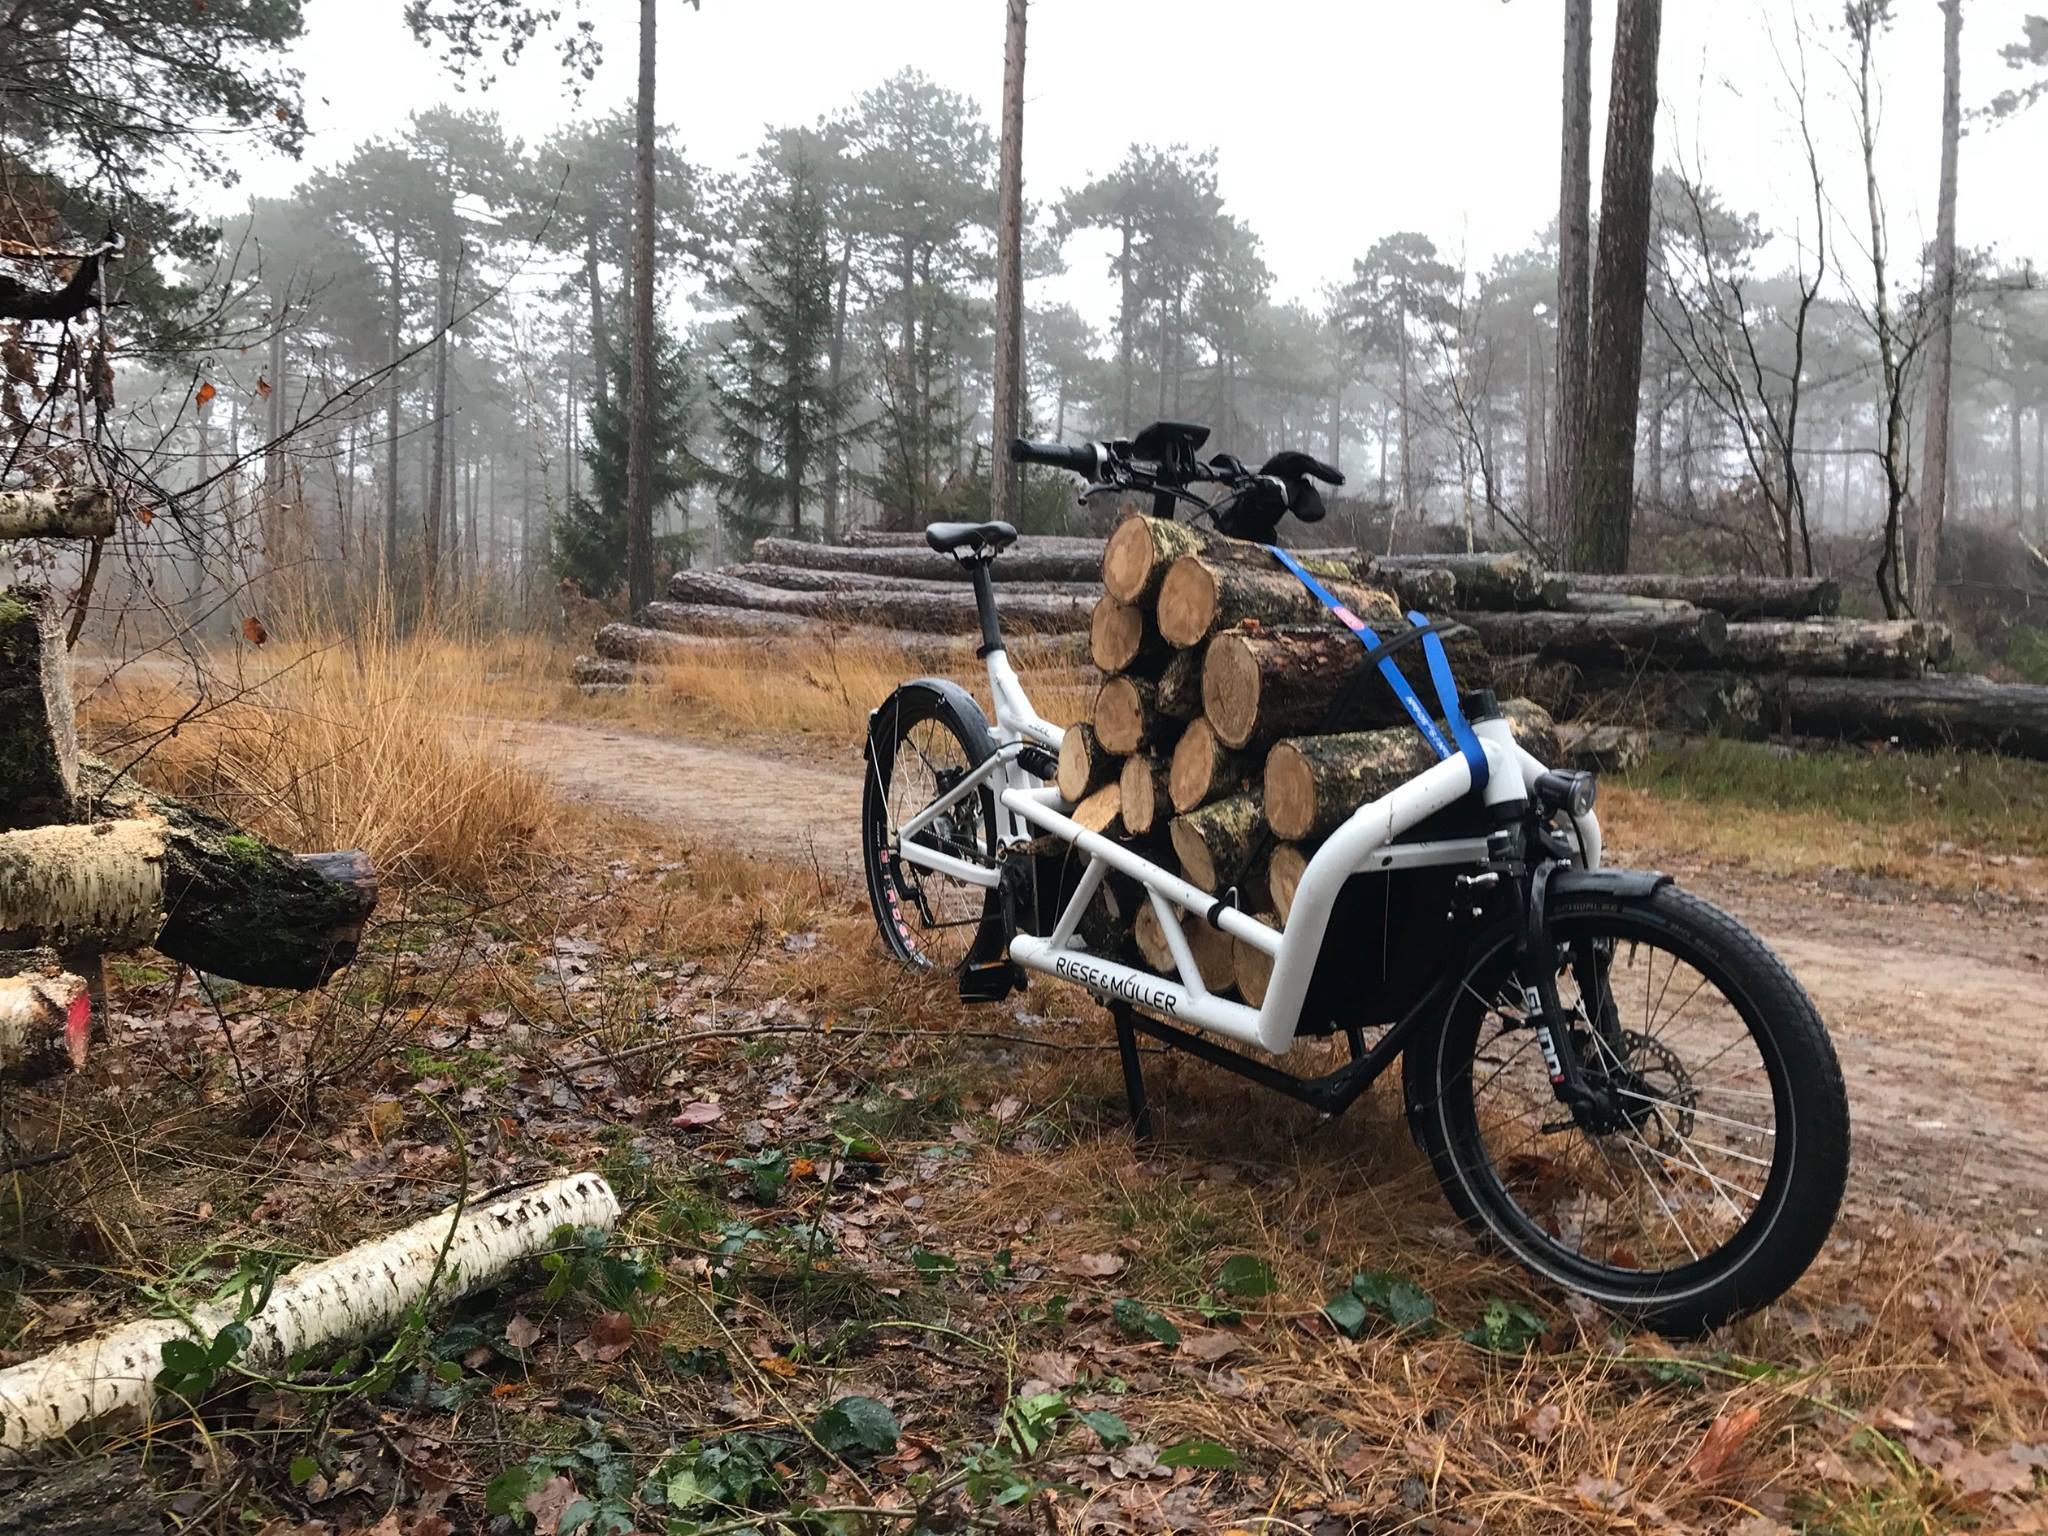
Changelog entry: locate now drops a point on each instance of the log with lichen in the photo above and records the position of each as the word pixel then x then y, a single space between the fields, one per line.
pixel 38 732
pixel 1218 842
pixel 1179 696
pixel 1200 596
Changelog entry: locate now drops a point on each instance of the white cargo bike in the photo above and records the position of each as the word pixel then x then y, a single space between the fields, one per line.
pixel 1613 1079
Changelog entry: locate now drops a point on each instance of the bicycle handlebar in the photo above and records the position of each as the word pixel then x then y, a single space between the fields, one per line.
pixel 1082 459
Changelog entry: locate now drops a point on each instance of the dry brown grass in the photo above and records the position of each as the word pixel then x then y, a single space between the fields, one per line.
pixel 351 744
pixel 823 686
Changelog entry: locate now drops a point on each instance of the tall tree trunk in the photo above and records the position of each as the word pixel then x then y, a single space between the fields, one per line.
pixel 640 454
pixel 394 392
pixel 1009 361
pixel 2041 464
pixel 1934 464
pixel 1604 472
pixel 835 369
pixel 1574 258
pixel 595 289
pixel 437 472
pixel 1337 426
pixel 2019 456
pixel 1124 319
pixel 1531 415
pixel 1407 438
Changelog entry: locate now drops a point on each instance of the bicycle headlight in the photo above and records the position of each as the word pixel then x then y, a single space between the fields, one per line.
pixel 1570 792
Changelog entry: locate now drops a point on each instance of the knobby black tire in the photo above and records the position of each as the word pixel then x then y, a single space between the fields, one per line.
pixel 907 709
pixel 1809 1166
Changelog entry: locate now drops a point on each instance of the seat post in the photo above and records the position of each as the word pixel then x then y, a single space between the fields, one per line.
pixel 980 571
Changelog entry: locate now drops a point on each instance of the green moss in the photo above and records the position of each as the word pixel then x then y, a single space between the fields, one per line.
pixel 12 610
pixel 246 849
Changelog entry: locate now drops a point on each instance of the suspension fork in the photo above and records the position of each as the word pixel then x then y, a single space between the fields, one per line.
pixel 1536 969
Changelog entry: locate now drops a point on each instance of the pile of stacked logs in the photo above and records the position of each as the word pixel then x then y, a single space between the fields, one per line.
pixel 1616 656
pixel 92 863
pixel 1232 732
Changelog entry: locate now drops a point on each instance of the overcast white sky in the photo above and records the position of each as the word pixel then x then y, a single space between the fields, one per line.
pixel 1336 120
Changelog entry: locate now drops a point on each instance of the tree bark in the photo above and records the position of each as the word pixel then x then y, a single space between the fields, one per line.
pixel 1201 597
pixel 1085 764
pixel 1035 560
pixel 640 447
pixel 947 611
pixel 393 395
pixel 38 730
pixel 1487 580
pixel 1934 712
pixel 239 906
pixel 1574 257
pixel 58 512
pixel 1603 499
pixel 93 888
pixel 361 1294
pixel 835 368
pixel 105 1496
pixel 1737 597
pixel 1260 686
pixel 1839 647
pixel 437 461
pixel 1204 769
pixel 1605 639
pixel 594 293
pixel 1217 844
pixel 1127 717
pixel 671 632
pixel 797 578
pixel 1009 348
pixel 1180 685
pixel 1314 783
pixel 1934 463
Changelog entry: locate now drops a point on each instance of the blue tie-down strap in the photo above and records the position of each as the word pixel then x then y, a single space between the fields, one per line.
pixel 1440 677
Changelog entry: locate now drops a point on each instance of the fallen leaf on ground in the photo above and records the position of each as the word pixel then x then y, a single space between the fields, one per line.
pixel 522 1332
pixel 699 1113
pixel 547 1502
pixel 1722 1440
pixel 1098 1266
pixel 1210 1346
pixel 609 1338
pixel 1540 1423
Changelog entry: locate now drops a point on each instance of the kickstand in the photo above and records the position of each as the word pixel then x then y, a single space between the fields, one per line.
pixel 1134 1072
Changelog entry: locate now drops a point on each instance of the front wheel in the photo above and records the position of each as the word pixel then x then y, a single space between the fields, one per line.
pixel 1716 1178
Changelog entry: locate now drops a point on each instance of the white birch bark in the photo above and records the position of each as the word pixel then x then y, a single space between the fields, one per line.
pixel 358 1295
pixel 99 886
pixel 37 1014
pixel 60 512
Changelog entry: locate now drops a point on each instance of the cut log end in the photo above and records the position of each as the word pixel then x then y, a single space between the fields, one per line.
pixel 1203 769
pixel 1143 787
pixel 1085 765
pixel 1283 877
pixel 1121 638
pixel 1127 717
pixel 1252 967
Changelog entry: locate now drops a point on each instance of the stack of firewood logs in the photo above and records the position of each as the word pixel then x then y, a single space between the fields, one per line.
pixel 1233 732
pixel 1615 656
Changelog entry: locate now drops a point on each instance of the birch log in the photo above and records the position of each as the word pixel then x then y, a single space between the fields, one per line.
pixel 59 512
pixel 38 730
pixel 95 887
pixel 358 1295
pixel 44 1020
pixel 237 905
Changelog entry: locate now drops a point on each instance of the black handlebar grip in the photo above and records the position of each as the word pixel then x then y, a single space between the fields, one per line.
pixel 1079 458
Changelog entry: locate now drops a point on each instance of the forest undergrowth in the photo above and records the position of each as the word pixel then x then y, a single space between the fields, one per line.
pixel 888 1264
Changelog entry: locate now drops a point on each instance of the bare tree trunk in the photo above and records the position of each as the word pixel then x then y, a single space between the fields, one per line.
pixel 1009 362
pixel 640 452
pixel 1934 465
pixel 395 277
pixel 437 477
pixel 1604 473
pixel 1407 438
pixel 2019 456
pixel 1124 318
pixel 595 289
pixel 835 453
pixel 1574 258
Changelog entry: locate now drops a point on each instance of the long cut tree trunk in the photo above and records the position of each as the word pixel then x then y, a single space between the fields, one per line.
pixel 1934 463
pixel 640 450
pixel 1604 472
pixel 1574 256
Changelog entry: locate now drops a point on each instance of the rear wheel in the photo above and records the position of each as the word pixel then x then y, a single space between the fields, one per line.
pixel 1713 1181
pixel 921 745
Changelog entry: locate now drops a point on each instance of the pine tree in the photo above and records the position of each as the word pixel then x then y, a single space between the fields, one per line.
pixel 590 535
pixel 771 389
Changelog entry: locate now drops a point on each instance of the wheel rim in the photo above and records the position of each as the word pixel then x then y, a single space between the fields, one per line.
pixel 932 917
pixel 1689 1173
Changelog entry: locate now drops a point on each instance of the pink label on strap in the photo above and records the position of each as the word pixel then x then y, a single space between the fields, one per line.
pixel 1349 619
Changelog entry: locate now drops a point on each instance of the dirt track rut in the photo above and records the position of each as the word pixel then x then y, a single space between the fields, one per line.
pixel 1935 1006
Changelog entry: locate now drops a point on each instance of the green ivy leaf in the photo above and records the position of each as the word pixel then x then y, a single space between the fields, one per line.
pixel 304 1470
pixel 1507 1328
pixel 857 1423
pixel 1347 1312
pixel 1139 1321
pixel 932 1265
pixel 1198 1453
pixel 507 1493
pixel 1109 1429
pixel 1246 1275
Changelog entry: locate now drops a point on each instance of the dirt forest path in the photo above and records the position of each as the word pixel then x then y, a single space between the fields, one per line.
pixel 1935 1006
